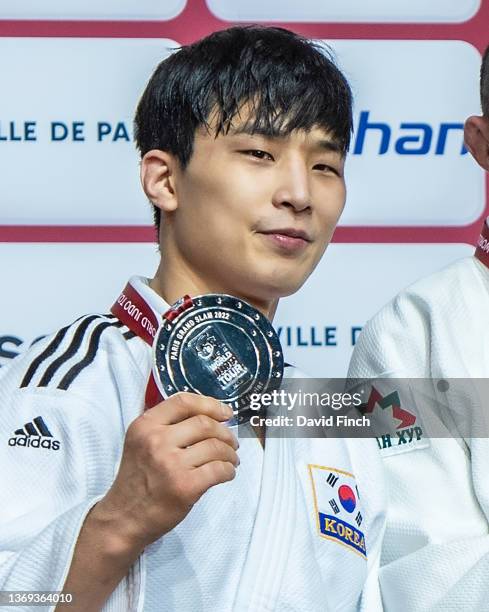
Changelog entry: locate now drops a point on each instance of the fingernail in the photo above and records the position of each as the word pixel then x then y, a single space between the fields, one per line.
pixel 227 411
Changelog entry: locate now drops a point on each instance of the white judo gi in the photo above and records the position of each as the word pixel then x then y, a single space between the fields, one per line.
pixel 277 537
pixel 436 549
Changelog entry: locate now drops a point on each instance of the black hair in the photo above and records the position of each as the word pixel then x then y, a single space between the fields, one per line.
pixel 485 83
pixel 289 81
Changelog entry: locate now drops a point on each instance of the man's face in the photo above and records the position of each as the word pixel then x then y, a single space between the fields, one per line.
pixel 256 213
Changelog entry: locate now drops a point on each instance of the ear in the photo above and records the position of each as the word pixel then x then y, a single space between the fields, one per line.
pixel 158 179
pixel 476 136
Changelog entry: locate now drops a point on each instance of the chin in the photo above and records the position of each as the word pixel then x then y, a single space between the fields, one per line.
pixel 275 289
pixel 290 290
pixel 265 284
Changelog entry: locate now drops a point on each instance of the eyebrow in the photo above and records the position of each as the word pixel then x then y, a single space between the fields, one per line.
pixel 324 144
pixel 255 131
pixel 329 145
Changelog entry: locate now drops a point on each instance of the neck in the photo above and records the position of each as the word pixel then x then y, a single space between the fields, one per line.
pixel 172 282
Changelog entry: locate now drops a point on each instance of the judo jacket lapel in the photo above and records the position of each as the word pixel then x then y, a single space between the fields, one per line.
pixel 268 553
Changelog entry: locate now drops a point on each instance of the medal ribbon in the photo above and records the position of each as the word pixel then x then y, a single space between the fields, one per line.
pixel 134 312
pixel 482 250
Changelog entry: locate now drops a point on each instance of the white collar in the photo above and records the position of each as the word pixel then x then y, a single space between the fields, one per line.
pixel 153 299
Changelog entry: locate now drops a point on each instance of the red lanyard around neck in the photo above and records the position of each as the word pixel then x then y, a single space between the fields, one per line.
pixel 134 312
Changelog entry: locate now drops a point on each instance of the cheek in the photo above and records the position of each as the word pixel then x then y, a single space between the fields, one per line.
pixel 328 217
pixel 333 205
pixel 210 215
pixel 219 192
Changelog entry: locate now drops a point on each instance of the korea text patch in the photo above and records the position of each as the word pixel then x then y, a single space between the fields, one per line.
pixel 337 507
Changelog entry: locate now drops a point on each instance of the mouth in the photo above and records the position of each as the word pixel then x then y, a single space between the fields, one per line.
pixel 288 239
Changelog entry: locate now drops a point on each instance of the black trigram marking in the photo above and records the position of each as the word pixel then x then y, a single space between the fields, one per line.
pixel 334 505
pixel 332 479
pixel 359 518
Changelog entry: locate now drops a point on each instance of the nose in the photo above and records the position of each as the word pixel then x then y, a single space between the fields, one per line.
pixel 292 187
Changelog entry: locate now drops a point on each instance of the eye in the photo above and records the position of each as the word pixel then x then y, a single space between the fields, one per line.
pixel 259 154
pixel 327 169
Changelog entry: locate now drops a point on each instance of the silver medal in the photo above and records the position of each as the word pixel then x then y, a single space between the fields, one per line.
pixel 219 346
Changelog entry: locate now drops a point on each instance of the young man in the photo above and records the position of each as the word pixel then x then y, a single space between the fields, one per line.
pixel 436 550
pixel 243 137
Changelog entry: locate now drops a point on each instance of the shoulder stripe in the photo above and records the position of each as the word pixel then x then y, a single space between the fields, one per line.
pixel 70 351
pixel 73 372
pixel 109 315
pixel 50 350
pixel 129 334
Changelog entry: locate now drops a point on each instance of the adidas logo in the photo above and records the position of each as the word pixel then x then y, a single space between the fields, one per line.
pixel 34 434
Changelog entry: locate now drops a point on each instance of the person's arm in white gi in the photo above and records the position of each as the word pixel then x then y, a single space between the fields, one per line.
pixel 172 455
pixel 445 569
pixel 50 493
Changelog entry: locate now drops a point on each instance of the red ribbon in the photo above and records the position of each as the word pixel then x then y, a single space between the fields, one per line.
pixel 482 250
pixel 134 312
pixel 178 307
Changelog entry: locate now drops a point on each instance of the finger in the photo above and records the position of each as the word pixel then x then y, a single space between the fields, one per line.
pixel 184 405
pixel 211 474
pixel 209 450
pixel 201 427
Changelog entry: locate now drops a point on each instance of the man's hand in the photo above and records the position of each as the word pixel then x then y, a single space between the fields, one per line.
pixel 173 453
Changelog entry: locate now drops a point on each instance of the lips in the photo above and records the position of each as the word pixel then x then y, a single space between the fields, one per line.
pixel 290 232
pixel 286 240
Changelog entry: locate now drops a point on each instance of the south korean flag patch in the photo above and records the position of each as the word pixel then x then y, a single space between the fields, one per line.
pixel 337 507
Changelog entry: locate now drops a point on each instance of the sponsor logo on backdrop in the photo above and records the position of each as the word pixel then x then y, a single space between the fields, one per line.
pixel 409 138
pixel 411 109
pixel 313 335
pixel 65 133
pixel 62 131
pixel 348 11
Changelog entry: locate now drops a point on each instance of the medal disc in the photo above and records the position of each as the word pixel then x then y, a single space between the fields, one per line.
pixel 218 345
